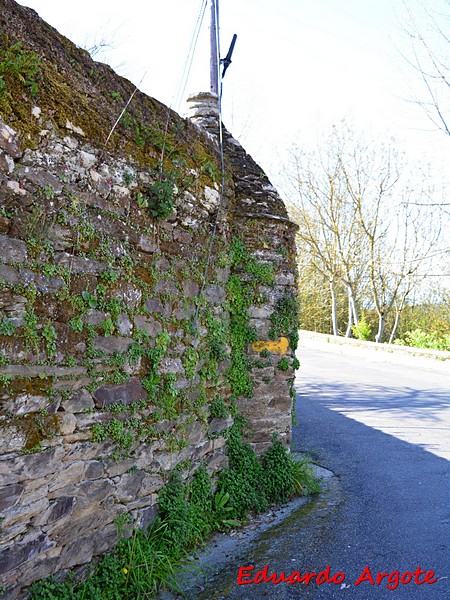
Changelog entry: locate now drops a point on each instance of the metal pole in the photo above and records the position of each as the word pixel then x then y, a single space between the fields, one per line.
pixel 214 37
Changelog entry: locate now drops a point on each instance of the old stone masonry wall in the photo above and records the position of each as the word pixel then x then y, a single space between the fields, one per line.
pixel 126 347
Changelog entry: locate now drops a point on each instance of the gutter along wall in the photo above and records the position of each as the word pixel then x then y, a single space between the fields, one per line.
pixel 114 368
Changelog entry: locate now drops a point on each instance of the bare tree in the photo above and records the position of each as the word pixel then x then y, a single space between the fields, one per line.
pixel 327 226
pixel 427 30
pixel 359 225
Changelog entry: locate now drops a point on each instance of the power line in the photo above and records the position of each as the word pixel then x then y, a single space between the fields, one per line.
pixel 179 94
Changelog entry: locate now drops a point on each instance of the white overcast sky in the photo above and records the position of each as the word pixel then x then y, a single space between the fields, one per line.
pixel 298 65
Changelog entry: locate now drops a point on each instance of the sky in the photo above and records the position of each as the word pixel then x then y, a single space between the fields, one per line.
pixel 298 66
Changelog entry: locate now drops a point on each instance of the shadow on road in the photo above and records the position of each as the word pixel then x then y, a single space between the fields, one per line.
pixel 427 403
pixel 387 508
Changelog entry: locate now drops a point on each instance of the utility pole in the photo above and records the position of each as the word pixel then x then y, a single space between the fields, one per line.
pixel 215 49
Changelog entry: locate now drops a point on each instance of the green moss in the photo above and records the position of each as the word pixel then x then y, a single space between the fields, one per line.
pixel 285 319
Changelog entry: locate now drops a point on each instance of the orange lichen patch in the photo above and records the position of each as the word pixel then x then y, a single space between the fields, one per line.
pixel 279 346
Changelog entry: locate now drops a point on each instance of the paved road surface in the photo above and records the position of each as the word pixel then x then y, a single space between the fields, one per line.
pixel 383 429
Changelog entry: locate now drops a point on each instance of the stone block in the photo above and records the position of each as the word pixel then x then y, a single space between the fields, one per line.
pixel 66 423
pixel 24 404
pixel 94 317
pixel 9 274
pixel 24 514
pixel 148 244
pixel 151 483
pixel 78 552
pixel 35 489
pixel 13 439
pixel 148 324
pixel 10 495
pixel 97 490
pixel 260 312
pixel 112 344
pixel 217 425
pixel 182 236
pixel 215 294
pixel 195 433
pixel 9 140
pixel 41 178
pixel 171 366
pixel 124 325
pixel 38 465
pixel 94 469
pixel 153 305
pixel 70 475
pixel 190 288
pixel 79 264
pixel 81 401
pixel 12 250
pixel 123 393
pixel 21 553
pixel 128 486
pixel 61 508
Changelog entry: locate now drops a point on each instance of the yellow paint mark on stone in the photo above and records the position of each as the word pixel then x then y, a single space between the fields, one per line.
pixel 279 346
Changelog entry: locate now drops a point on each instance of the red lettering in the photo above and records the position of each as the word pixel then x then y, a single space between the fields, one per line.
pixel 241 575
pixel 380 577
pixel 323 576
pixel 282 578
pixel 405 575
pixel 295 577
pixel 428 576
pixel 262 576
pixel 308 576
pixel 338 578
pixel 366 575
pixel 393 579
pixel 417 573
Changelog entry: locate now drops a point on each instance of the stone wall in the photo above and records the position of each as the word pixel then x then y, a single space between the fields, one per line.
pixel 125 343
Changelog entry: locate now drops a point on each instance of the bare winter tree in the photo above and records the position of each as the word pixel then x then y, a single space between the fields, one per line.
pixel 359 226
pixel 428 33
pixel 328 228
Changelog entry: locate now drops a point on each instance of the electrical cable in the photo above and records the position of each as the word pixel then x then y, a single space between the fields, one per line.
pixel 222 183
pixel 180 91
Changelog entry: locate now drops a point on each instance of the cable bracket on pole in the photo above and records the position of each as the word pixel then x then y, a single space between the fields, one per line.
pixel 226 62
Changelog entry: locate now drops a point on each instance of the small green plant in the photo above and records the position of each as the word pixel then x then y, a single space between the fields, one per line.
pixel 22 64
pixel 218 409
pixel 50 337
pixel 284 364
pixel 128 178
pixel 49 192
pixel 107 327
pixel 90 299
pixel 30 331
pixel 76 324
pixel 285 319
pixel 141 200
pixel 278 468
pixel 363 329
pixel 162 198
pixel 190 361
pixel 423 339
pixel 222 512
pixel 7 326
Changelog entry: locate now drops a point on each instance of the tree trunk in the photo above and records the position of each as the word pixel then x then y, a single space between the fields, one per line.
pixel 334 318
pixel 348 333
pixel 379 336
pixel 394 329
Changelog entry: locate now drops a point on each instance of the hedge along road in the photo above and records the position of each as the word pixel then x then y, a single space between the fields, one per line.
pixel 382 428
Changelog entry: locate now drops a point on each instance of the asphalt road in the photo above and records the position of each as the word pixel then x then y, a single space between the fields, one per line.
pixel 383 429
